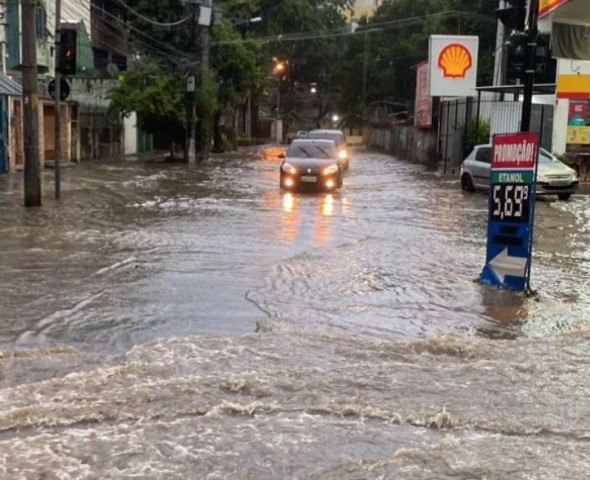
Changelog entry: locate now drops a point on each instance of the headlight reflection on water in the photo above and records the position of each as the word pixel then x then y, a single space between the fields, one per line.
pixel 288 202
pixel 328 205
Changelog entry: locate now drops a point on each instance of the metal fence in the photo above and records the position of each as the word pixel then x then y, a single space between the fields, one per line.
pixel 460 119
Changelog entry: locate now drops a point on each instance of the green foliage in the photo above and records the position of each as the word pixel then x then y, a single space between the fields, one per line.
pixel 207 106
pixel 155 94
pixel 235 64
pixel 476 133
pixel 390 54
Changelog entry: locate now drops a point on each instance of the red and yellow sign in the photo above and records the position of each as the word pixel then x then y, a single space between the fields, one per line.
pixel 546 6
pixel 574 87
pixel 455 60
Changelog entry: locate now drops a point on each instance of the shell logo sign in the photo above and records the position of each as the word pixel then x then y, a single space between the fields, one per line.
pixel 455 60
pixel 453 65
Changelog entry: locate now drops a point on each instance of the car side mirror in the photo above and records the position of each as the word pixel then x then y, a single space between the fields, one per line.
pixel 281 155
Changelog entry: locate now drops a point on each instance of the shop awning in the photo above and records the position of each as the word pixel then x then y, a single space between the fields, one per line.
pixel 570 27
pixel 9 87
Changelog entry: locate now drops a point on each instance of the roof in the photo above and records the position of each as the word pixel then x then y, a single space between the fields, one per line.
pixel 314 141
pixel 9 87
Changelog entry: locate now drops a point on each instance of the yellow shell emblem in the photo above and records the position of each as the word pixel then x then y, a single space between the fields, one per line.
pixel 455 60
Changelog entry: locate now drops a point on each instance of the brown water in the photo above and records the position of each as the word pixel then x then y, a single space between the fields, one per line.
pixel 174 322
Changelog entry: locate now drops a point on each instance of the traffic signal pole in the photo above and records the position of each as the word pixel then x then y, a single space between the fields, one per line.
pixel 57 100
pixel 529 76
pixel 525 124
pixel 32 174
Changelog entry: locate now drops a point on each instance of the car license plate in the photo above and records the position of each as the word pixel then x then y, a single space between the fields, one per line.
pixel 309 179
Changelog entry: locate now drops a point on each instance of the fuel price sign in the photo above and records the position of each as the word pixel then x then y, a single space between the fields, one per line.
pixel 511 211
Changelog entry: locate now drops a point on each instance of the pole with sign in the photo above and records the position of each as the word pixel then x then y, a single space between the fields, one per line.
pixel 511 211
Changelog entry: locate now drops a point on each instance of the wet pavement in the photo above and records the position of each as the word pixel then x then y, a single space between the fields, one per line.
pixel 165 321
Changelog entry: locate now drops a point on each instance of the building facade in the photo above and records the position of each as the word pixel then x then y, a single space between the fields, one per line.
pixel 568 22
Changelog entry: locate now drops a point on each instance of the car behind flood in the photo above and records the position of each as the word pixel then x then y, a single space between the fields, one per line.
pixel 338 137
pixel 553 176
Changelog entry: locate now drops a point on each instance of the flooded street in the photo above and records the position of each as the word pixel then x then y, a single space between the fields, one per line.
pixel 167 321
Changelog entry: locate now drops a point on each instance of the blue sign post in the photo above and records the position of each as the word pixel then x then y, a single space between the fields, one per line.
pixel 511 211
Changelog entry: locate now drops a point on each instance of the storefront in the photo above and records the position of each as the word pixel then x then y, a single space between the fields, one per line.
pixel 568 21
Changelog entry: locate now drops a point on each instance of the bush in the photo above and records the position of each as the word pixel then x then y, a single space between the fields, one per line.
pixel 476 134
pixel 243 141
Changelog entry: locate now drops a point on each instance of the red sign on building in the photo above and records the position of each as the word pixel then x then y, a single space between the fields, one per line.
pixel 423 107
pixel 515 151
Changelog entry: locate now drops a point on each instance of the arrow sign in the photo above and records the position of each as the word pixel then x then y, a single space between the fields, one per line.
pixel 511 211
pixel 504 265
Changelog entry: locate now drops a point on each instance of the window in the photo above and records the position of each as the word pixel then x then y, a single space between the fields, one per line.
pixel 484 155
pixel 41 23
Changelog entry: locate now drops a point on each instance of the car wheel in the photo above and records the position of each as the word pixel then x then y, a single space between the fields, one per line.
pixel 564 196
pixel 467 183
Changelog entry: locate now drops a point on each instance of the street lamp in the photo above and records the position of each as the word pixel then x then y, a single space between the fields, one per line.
pixel 280 69
pixel 249 21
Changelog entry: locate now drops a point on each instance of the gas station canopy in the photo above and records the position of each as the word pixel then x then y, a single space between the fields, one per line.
pixel 569 24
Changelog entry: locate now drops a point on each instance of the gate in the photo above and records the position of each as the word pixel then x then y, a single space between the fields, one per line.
pixel 469 121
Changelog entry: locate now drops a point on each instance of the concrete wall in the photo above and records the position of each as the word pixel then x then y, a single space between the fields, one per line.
pixel 408 142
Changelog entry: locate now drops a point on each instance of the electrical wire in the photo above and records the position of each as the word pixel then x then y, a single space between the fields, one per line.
pixel 152 50
pixel 369 28
pixel 154 22
pixel 125 25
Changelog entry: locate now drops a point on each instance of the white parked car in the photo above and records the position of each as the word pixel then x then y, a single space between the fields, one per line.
pixel 553 176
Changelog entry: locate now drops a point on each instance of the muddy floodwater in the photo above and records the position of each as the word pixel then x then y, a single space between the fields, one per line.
pixel 171 321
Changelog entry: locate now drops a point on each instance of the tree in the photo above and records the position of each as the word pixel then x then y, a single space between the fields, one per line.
pixel 313 60
pixel 235 66
pixel 386 57
pixel 155 93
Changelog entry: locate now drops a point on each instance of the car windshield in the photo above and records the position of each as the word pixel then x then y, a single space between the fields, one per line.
pixel 546 159
pixel 308 150
pixel 336 137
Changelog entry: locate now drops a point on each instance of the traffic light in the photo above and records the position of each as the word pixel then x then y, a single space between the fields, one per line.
pixel 514 14
pixel 516 51
pixel 68 52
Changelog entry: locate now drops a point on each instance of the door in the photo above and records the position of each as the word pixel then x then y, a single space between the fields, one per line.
pixel 481 167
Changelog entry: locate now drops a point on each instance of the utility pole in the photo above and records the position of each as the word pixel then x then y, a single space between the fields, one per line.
pixel 529 76
pixel 192 7
pixel 57 100
pixel 205 21
pixel 32 172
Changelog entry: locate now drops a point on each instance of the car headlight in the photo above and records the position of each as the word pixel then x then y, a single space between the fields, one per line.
pixel 575 177
pixel 288 168
pixel 331 170
pixel 541 178
pixel 342 154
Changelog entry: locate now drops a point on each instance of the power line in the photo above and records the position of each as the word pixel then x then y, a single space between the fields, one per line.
pixel 124 24
pixel 154 22
pixel 369 28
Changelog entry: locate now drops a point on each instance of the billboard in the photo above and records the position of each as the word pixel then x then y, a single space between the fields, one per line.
pixel 453 65
pixel 423 107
